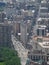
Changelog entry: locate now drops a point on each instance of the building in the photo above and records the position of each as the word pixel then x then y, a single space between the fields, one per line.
pixel 43 16
pixel 5 35
pixel 21 28
pixel 2 16
pixel 16 26
pixel 6 1
pixel 24 35
pixel 41 30
pixel 37 57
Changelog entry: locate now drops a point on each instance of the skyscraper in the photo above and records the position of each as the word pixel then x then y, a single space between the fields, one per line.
pixel 5 31
pixel 5 35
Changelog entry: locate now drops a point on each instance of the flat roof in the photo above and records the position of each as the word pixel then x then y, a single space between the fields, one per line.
pixel 45 37
pixel 44 44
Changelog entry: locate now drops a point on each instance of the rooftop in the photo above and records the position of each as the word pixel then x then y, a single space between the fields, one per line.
pixel 40 37
pixel 44 44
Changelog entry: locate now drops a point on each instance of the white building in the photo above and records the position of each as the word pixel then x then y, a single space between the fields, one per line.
pixel 41 43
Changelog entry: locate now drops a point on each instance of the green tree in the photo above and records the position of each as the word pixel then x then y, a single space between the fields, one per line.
pixel 9 56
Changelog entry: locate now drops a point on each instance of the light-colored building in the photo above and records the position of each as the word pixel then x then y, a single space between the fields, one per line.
pixel 41 43
pixel 40 52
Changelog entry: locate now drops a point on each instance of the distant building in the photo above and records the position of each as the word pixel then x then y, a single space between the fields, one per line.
pixel 44 13
pixel 2 16
pixel 7 0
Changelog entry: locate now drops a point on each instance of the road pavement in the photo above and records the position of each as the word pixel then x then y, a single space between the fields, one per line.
pixel 22 52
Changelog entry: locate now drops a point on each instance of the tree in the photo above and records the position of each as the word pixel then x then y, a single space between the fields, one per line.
pixel 9 56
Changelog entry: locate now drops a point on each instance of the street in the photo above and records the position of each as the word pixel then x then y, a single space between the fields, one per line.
pixel 22 52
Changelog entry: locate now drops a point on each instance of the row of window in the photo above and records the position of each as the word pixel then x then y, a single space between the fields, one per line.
pixel 36 58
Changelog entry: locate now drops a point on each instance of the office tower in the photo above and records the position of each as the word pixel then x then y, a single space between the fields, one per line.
pixel 24 34
pixel 5 31
pixel 20 31
pixel 5 35
pixel 5 27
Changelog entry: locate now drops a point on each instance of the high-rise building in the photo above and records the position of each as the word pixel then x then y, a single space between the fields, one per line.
pixel 5 31
pixel 24 35
pixel 5 35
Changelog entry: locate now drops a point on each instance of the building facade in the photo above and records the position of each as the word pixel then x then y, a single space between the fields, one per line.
pixel 5 35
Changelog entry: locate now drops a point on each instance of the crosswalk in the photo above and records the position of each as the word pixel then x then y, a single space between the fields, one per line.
pixel 22 52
